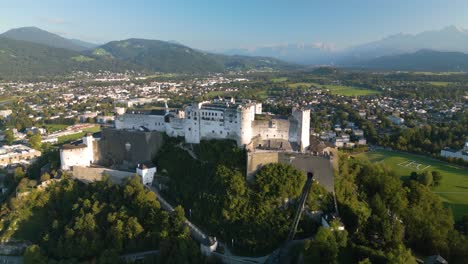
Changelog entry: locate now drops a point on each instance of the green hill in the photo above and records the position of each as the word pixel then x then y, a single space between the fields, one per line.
pixel 39 36
pixel 165 56
pixel 21 59
pixel 32 53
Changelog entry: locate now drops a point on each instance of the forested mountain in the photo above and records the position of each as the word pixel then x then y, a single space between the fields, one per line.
pixel 162 56
pixel 423 60
pixel 39 36
pixel 32 52
pixel 21 59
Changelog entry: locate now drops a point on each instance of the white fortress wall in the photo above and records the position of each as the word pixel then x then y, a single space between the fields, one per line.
pixel 134 121
pixel 271 129
pixel 192 124
pixel 223 120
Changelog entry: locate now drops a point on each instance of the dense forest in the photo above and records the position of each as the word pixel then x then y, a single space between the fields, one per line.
pixel 255 216
pixel 72 222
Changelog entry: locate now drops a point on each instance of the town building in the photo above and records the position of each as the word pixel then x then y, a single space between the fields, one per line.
pixel 5 113
pixel 17 154
pixel 456 154
pixel 80 153
pixel 146 172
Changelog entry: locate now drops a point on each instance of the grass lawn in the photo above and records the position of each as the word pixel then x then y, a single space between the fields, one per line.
pixel 300 84
pixel 55 127
pixel 349 90
pixel 280 79
pixel 454 187
pixel 161 75
pixel 217 93
pixel 7 99
pixel 442 84
pixel 76 136
pixel 437 73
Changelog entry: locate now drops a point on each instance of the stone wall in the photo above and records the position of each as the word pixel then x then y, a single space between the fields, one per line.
pixel 320 166
pixel 125 149
pixel 91 174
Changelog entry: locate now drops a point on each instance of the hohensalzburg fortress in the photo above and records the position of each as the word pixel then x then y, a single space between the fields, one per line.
pixel 241 121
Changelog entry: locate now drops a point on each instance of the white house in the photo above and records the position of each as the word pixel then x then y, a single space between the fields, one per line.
pixel 146 172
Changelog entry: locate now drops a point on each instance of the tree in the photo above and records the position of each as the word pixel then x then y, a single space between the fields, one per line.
pixel 436 177
pixel 45 177
pixel 35 141
pixel 323 249
pixel 19 174
pixel 401 255
pixel 33 255
pixel 465 223
pixel 9 136
pixel 277 182
pixel 110 256
pixel 425 178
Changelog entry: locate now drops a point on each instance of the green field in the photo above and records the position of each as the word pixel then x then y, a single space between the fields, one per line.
pixel 280 79
pixel 454 187
pixel 349 90
pixel 436 73
pixel 4 100
pixel 442 84
pixel 55 127
pixel 299 84
pixel 217 93
pixel 76 136
pixel 161 75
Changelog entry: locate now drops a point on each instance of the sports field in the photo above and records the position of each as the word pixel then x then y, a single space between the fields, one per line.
pixel 454 187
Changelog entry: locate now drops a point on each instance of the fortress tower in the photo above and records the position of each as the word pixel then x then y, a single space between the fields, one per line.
pixel 302 116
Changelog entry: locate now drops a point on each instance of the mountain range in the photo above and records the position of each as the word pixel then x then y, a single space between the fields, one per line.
pixel 448 39
pixel 32 52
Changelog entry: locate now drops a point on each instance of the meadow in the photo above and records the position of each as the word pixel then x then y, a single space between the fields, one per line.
pixel 441 84
pixel 453 189
pixel 349 90
pixel 279 79
pixel 76 136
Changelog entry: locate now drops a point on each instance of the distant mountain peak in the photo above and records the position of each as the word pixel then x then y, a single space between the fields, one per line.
pixel 43 37
pixel 453 28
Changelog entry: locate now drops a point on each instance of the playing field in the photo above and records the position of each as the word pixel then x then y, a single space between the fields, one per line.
pixel 454 187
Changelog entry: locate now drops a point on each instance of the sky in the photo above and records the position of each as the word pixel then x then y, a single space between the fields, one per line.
pixel 226 24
